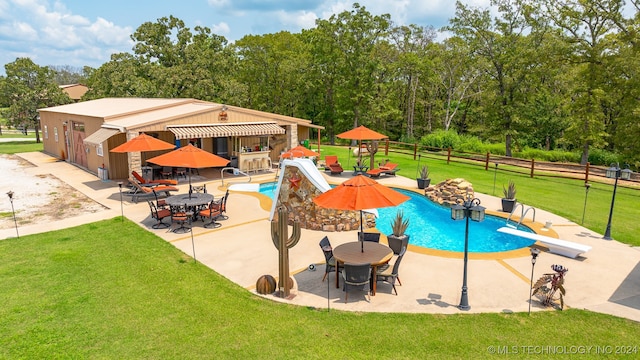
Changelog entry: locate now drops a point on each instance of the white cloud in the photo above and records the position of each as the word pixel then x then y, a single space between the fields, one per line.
pixel 221 29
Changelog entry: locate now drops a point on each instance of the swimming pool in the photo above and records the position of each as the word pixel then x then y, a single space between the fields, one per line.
pixel 430 226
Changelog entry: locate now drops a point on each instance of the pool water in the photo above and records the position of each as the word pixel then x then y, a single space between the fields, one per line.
pixel 430 226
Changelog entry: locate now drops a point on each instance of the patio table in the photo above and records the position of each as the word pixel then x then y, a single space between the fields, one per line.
pixel 358 169
pixel 374 253
pixel 192 201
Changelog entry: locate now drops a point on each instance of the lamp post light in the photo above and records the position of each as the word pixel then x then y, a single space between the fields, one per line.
pixel 466 208
pixel 10 194
pixel 586 192
pixel 495 171
pixel 121 208
pixel 534 254
pixel 614 172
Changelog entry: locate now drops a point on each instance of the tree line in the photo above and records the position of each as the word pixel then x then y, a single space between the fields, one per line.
pixel 541 74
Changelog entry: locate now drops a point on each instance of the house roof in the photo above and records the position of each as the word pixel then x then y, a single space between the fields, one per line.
pixel 131 113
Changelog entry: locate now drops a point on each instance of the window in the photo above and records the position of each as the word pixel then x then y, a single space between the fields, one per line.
pixel 99 150
pixel 55 134
pixel 46 132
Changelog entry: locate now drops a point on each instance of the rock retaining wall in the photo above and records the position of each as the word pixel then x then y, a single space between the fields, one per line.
pixel 449 191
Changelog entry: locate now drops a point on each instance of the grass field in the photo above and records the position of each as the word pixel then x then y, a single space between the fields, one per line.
pixel 112 290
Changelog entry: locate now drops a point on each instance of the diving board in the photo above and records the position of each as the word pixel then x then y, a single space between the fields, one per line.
pixel 556 246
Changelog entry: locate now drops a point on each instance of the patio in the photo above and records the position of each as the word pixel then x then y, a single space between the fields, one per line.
pixel 242 250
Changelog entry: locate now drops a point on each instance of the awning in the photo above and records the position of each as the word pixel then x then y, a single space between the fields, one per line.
pixel 100 136
pixel 223 130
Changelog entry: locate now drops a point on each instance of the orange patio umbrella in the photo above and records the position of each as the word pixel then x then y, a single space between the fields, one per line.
pixel 361 133
pixel 189 157
pixel 142 143
pixel 299 151
pixel 360 193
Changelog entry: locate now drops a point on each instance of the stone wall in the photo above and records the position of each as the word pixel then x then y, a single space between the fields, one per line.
pixel 297 193
pixel 449 191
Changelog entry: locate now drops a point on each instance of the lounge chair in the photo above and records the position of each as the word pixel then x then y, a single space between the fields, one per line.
pixel 143 181
pixel 333 165
pixel 140 191
pixel 387 169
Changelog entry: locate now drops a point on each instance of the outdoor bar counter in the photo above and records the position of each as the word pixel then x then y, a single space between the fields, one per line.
pixel 253 160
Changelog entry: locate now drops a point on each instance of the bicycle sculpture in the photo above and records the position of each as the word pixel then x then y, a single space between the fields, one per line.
pixel 550 287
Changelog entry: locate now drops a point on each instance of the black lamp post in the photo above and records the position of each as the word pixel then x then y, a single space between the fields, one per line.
pixel 465 209
pixel 495 171
pixel 614 172
pixel 586 192
pixel 121 208
pixel 534 254
pixel 10 194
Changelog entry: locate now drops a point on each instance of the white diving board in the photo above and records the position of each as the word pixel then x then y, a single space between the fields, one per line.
pixel 556 246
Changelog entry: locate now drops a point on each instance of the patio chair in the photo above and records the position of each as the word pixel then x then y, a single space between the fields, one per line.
pixel 159 215
pixel 212 214
pixel 330 261
pixel 167 172
pixel 180 216
pixel 198 188
pixel 160 203
pixel 221 205
pixel 373 237
pixel 356 275
pixel 181 172
pixel 390 274
pixel 143 181
pixel 397 245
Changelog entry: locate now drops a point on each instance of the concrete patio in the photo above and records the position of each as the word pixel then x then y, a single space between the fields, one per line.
pixel 606 279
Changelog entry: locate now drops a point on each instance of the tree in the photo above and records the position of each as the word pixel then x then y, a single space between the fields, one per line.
pixel 29 87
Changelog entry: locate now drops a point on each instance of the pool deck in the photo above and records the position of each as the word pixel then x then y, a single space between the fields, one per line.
pixel 606 279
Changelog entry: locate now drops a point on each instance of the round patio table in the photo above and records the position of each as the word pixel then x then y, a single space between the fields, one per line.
pixel 374 253
pixel 192 201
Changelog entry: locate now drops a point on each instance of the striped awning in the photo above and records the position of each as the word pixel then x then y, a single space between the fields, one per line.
pixel 100 136
pixel 223 130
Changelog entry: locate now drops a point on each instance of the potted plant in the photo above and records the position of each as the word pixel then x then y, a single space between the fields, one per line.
pixel 509 199
pixel 424 180
pixel 397 239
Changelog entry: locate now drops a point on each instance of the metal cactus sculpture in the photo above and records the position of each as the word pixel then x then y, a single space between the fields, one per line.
pixel 372 148
pixel 283 242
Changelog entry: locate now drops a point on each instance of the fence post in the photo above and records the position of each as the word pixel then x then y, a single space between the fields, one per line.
pixel 415 150
pixel 586 172
pixel 533 165
pixel 386 147
pixel 486 162
pixel 448 155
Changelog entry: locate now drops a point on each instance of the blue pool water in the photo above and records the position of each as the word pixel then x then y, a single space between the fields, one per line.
pixel 430 226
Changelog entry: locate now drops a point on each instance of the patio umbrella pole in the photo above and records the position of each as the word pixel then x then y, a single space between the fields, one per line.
pixel 361 234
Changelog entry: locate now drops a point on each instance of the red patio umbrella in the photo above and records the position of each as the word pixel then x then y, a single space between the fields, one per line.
pixel 189 157
pixel 361 133
pixel 299 151
pixel 359 193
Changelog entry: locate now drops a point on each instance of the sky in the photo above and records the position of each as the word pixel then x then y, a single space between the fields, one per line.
pixel 81 33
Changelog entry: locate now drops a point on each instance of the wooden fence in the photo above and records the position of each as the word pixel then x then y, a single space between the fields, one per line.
pixel 510 164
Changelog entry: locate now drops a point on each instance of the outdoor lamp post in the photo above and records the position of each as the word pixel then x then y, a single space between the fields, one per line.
pixel 586 193
pixel 465 209
pixel 121 208
pixel 614 172
pixel 495 171
pixel 10 194
pixel 534 254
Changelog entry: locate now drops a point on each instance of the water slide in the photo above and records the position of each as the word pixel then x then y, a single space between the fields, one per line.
pixel 308 169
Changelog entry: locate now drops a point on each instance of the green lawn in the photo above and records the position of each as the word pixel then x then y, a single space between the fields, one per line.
pixel 563 197
pixel 112 290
